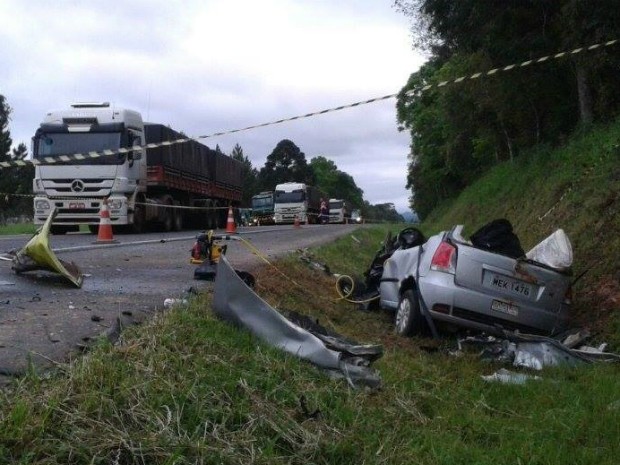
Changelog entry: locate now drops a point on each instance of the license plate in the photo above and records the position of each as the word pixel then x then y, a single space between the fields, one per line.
pixel 75 205
pixel 505 307
pixel 506 284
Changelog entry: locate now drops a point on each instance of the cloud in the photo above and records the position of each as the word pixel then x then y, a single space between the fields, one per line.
pixel 214 65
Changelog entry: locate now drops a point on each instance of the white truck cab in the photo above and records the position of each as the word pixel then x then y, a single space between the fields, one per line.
pixel 338 211
pixel 296 200
pixel 76 185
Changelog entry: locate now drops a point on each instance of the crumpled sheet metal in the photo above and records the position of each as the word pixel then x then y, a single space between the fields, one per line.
pixel 38 255
pixel 235 302
pixel 537 355
pixel 536 352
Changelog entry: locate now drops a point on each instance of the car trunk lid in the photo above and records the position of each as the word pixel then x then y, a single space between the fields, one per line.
pixel 509 280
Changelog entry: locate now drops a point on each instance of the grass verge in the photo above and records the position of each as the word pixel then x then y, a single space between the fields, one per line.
pixel 21 228
pixel 575 187
pixel 188 388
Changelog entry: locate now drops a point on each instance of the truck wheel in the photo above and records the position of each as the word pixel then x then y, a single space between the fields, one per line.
pixel 139 220
pixel 168 215
pixel 212 213
pixel 408 319
pixel 168 223
pixel 178 219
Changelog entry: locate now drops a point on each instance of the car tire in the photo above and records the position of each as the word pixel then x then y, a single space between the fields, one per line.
pixel 408 319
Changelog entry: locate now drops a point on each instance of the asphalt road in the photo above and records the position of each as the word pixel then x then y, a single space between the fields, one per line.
pixel 46 320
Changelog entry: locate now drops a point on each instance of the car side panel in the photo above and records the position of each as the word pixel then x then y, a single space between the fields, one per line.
pixel 472 309
pixel 401 266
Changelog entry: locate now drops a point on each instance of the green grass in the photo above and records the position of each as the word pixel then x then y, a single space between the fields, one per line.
pixel 22 228
pixel 188 388
pixel 575 187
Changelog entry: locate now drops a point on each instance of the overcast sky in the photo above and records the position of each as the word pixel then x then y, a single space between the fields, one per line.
pixel 206 66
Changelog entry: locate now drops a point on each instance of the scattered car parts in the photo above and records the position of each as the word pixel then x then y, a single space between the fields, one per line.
pixel 534 352
pixel 38 255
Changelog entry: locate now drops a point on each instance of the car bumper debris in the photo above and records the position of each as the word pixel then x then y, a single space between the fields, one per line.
pixel 38 255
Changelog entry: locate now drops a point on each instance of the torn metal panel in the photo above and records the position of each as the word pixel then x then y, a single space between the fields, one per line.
pixel 539 354
pixel 597 354
pixel 235 302
pixel 38 255
pixel 536 352
pixel 573 339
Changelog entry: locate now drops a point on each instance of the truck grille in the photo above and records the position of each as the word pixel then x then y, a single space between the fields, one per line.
pixel 92 187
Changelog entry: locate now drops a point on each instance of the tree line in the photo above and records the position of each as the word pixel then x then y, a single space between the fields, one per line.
pixel 460 131
pixel 286 163
pixel 15 180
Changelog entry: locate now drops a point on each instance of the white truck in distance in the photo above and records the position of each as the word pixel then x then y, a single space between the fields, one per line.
pixel 141 185
pixel 294 200
pixel 338 211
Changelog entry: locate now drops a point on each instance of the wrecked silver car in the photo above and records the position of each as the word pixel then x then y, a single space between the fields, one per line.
pixel 449 280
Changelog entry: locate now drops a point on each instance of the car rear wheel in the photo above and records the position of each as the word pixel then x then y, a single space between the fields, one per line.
pixel 408 319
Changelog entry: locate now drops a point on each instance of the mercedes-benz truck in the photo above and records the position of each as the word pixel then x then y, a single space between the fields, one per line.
pixel 144 186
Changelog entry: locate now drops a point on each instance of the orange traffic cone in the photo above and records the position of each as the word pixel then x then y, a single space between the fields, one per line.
pixel 231 227
pixel 105 226
pixel 296 222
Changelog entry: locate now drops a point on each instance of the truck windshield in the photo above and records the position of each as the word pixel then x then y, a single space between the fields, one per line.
pixel 262 202
pixel 335 205
pixel 290 197
pixel 54 144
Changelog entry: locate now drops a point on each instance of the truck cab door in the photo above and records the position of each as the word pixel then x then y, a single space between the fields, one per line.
pixel 136 160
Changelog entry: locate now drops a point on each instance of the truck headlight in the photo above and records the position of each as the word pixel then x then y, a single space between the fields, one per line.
pixel 41 205
pixel 115 204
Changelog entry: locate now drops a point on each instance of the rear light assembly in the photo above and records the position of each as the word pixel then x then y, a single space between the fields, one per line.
pixel 444 258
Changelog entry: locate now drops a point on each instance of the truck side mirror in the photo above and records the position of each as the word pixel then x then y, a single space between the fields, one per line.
pixel 135 142
pixel 136 153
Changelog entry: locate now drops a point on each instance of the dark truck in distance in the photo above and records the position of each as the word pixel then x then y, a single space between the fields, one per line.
pixel 468 287
pixel 262 208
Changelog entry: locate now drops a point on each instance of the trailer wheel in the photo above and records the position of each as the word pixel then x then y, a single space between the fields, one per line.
pixel 178 219
pixel 210 221
pixel 168 221
pixel 139 218
pixel 222 217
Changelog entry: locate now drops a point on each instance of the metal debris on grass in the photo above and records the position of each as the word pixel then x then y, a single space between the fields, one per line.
pixel 536 352
pixel 509 377
pixel 237 303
